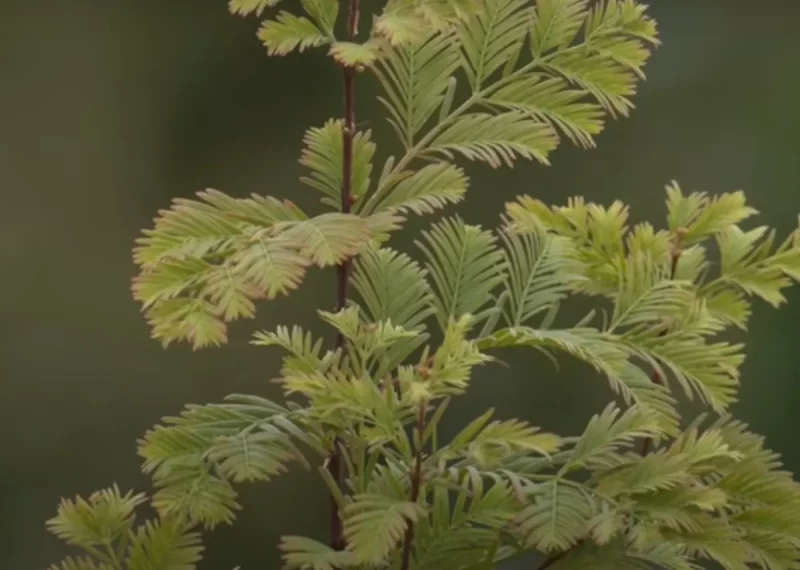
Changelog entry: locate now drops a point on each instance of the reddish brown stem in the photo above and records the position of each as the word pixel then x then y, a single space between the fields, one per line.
pixel 335 462
pixel 416 484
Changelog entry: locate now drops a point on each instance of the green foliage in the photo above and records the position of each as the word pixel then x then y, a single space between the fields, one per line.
pixel 496 82
pixel 104 526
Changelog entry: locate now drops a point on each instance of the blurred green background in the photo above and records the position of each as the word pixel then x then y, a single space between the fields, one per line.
pixel 109 109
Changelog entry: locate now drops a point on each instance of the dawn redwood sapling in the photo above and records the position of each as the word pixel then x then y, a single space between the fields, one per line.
pixel 497 82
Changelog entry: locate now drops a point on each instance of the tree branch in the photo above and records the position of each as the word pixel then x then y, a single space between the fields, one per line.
pixel 335 463
pixel 416 484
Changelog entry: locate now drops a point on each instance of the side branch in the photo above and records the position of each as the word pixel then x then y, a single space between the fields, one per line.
pixel 335 462
pixel 416 484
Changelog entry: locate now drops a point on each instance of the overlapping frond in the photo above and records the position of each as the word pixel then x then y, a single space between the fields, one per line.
pixel 163 545
pixel 459 526
pixel 707 369
pixel 492 36
pixel 486 443
pixel 556 24
pixel 749 262
pixel 431 188
pixel 604 353
pixel 608 59
pixel 496 139
pixel 447 371
pixel 608 435
pixel 464 264
pixel 374 524
pixel 698 216
pixel 193 457
pixel 100 519
pixel 323 156
pixel 552 99
pixel 647 295
pixel 104 526
pixel 408 22
pixel 557 517
pixel 206 262
pixel 534 72
pixel 393 287
pixel 415 79
pixel 542 270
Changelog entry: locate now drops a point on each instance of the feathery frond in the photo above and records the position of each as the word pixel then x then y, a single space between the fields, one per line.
pixel 98 521
pixel 287 33
pixel 415 79
pixel 206 447
pixel 374 524
pixel 556 518
pixel 551 99
pixel 431 188
pixel 456 529
pixel 323 156
pixel 164 546
pixel 496 139
pixel 464 264
pixel 492 36
pixel 608 434
pixel 542 270
pixel 556 24
pixel 246 7
pixel 601 351
pixel 493 82
pixel 393 287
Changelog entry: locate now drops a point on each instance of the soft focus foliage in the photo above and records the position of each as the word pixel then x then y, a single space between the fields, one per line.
pixel 494 82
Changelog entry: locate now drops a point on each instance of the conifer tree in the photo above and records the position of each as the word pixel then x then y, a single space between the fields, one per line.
pixel 498 82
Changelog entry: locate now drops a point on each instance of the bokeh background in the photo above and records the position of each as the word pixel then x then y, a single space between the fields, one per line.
pixel 109 109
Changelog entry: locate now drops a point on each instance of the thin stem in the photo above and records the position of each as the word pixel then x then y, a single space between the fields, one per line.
pixel 335 461
pixel 416 484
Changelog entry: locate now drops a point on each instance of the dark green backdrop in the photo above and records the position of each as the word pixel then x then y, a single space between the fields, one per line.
pixel 108 109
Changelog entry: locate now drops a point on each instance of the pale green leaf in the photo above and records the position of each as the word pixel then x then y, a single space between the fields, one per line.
pixel 324 156
pixel 464 264
pixel 551 99
pixel 415 79
pixel 496 139
pixel 490 37
pixel 351 54
pixel 542 270
pixel 329 239
pixel 246 7
pixel 287 33
pixel 393 288
pixel 163 545
pixel 374 524
pixel 556 24
pixel 426 190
